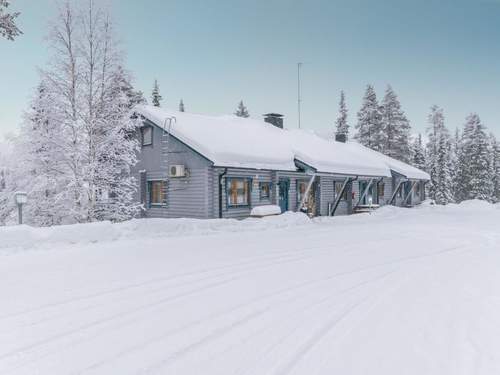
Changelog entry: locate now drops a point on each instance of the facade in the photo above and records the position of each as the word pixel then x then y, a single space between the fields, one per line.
pixel 222 167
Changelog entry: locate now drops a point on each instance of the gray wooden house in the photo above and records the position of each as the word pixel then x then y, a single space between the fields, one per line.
pixel 222 166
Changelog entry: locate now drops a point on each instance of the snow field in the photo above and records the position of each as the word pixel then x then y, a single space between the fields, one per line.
pixel 400 291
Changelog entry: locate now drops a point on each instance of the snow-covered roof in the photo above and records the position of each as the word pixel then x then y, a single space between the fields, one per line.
pixel 395 165
pixel 230 141
pixel 329 156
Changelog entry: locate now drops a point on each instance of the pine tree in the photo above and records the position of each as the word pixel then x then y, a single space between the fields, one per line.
pixel 474 179
pixel 342 127
pixel 369 126
pixel 495 167
pixel 181 106
pixel 8 28
pixel 418 153
pixel 242 111
pixel 42 169
pixel 395 135
pixel 442 173
pixel 156 98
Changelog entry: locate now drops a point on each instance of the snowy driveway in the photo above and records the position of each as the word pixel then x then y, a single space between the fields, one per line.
pixel 397 292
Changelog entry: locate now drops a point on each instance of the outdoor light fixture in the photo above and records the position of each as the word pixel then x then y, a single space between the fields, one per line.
pixel 21 198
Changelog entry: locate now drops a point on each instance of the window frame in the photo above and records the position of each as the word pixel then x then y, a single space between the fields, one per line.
pixel 269 187
pixel 381 189
pixel 248 182
pixel 143 129
pixel 162 192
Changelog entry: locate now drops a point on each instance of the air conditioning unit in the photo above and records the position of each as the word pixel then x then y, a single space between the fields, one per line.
pixel 177 170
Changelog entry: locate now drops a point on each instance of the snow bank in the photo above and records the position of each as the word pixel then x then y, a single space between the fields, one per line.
pixel 24 237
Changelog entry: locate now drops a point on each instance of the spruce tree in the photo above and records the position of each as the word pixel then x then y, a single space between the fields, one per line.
pixel 418 154
pixel 495 167
pixel 369 127
pixel 181 106
pixel 242 111
pixel 156 98
pixel 442 172
pixel 342 127
pixel 474 179
pixel 395 135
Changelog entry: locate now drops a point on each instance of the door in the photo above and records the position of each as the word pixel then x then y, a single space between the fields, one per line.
pixel 408 186
pixel 284 187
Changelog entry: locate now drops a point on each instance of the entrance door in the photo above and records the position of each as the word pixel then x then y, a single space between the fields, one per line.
pixel 407 193
pixel 284 187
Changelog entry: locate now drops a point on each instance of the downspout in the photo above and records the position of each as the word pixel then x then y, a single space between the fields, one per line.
pixel 221 176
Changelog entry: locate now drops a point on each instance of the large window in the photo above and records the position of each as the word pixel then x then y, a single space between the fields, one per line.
pixel 238 192
pixel 301 190
pixel 147 135
pixel 265 190
pixel 338 189
pixel 157 193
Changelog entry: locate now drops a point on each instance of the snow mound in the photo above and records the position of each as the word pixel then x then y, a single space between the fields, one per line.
pixel 24 236
pixel 266 210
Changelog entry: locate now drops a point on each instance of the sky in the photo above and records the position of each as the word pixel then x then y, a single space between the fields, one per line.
pixel 214 53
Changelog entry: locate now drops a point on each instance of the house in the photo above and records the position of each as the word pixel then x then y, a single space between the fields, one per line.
pixel 222 166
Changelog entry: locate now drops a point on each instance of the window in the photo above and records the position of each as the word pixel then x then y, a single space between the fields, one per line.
pixel 157 193
pixel 264 190
pixel 381 189
pixel 238 192
pixel 417 189
pixel 301 190
pixel 338 189
pixel 147 135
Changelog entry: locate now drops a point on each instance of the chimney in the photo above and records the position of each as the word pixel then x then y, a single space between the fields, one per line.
pixel 342 137
pixel 275 119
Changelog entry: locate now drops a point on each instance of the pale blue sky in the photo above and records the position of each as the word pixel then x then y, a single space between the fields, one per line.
pixel 214 53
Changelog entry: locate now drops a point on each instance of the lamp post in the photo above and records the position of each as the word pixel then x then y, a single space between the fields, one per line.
pixel 21 198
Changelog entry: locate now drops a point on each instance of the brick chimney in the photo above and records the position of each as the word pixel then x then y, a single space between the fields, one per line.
pixel 275 119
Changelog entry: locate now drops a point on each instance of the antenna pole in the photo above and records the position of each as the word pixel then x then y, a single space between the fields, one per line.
pixel 299 99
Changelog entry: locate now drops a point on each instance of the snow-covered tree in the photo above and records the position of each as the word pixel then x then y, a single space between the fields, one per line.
pixel 442 171
pixel 156 98
pixel 418 153
pixel 241 111
pixel 474 179
pixel 8 28
pixel 395 134
pixel 495 167
pixel 42 170
pixel 369 126
pixel 181 106
pixel 79 138
pixel 342 127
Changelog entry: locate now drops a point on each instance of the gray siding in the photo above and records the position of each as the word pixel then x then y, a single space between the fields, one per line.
pixel 186 196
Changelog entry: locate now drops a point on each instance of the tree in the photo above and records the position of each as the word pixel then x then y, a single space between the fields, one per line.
pixel 442 172
pixel 395 134
pixel 181 106
pixel 242 111
pixel 79 139
pixel 418 154
pixel 342 127
pixel 474 179
pixel 369 126
pixel 495 167
pixel 8 28
pixel 156 98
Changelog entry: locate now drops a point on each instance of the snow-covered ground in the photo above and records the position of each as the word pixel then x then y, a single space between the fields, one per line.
pixel 396 292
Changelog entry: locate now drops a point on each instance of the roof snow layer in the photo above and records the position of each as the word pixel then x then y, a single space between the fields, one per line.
pixel 228 141
pixel 395 165
pixel 231 141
